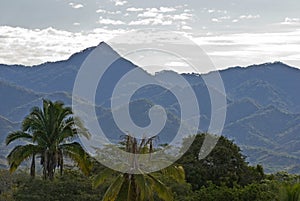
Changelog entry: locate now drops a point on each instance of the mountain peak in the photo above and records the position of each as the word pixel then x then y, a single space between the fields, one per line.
pixel 79 57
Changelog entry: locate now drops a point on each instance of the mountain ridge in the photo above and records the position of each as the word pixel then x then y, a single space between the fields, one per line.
pixel 261 98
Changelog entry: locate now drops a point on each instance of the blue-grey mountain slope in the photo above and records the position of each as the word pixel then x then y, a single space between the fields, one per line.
pixel 263 111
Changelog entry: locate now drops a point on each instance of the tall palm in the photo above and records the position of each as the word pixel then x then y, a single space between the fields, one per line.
pixel 290 192
pixel 139 187
pixel 50 132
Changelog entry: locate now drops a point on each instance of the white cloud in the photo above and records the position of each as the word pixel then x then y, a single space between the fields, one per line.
pixel 225 18
pixel 182 16
pixel 220 19
pixel 248 17
pixel 108 12
pixel 148 14
pixel 291 21
pixel 151 21
pixel 214 11
pixel 160 16
pixel 76 6
pixel 110 21
pixel 25 46
pixel 167 9
pixel 215 20
pixel 76 23
pixel 152 12
pixel 132 9
pixel 248 48
pixel 161 22
pixel 140 22
pixel 176 64
pixel 101 11
pixel 186 27
pixel 32 47
pixel 119 2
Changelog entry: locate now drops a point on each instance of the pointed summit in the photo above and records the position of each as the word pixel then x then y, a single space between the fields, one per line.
pixel 107 49
pixel 104 48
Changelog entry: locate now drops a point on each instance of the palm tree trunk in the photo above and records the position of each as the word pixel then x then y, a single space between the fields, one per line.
pixel 61 162
pixel 51 166
pixel 32 168
pixel 45 164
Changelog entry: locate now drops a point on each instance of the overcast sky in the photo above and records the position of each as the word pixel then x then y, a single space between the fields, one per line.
pixel 231 32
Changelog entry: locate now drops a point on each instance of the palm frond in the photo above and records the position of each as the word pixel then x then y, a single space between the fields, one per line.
pixel 17 135
pixel 19 154
pixel 114 189
pixel 174 171
pixel 162 191
pixel 102 176
pixel 77 154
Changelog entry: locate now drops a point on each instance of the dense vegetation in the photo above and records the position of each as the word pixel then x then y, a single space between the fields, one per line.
pixel 202 183
pixel 223 175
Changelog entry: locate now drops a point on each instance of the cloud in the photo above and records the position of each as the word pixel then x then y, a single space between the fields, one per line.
pixel 160 16
pixel 32 47
pixel 182 16
pixel 186 28
pixel 140 22
pixel 152 12
pixel 225 18
pixel 176 64
pixel 29 47
pixel 119 2
pixel 220 19
pixel 212 10
pixel 248 17
pixel 245 17
pixel 151 21
pixel 148 14
pixel 247 48
pixel 76 6
pixel 76 23
pixel 167 9
pixel 215 20
pixel 132 9
pixel 291 21
pixel 101 11
pixel 110 21
pixel 108 11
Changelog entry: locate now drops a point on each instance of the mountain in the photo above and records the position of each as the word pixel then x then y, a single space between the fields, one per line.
pixel 263 111
pixel 6 126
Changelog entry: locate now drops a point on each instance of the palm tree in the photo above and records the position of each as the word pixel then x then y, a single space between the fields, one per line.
pixel 49 132
pixel 290 192
pixel 138 187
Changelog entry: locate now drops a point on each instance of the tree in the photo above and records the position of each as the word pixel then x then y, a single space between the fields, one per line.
pixel 224 165
pixel 138 187
pixel 49 133
pixel 290 192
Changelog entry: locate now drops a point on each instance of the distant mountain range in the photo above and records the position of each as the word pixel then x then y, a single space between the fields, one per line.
pixel 263 111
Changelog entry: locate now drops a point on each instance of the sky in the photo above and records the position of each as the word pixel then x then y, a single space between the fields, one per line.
pixel 231 32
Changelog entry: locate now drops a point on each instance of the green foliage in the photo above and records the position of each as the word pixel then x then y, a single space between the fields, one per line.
pixel 72 186
pixel 222 176
pixel 49 132
pixel 6 184
pixel 225 165
pixel 266 191
pixel 142 186
pixel 290 192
